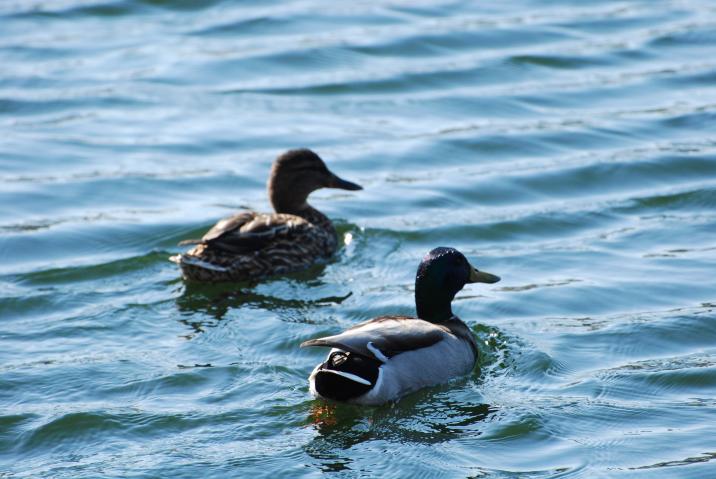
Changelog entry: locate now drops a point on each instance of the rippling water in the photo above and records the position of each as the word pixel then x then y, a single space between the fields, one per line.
pixel 569 147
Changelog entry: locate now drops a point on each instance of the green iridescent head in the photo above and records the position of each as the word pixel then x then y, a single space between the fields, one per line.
pixel 442 273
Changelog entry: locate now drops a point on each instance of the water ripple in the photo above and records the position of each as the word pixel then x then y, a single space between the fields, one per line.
pixel 568 147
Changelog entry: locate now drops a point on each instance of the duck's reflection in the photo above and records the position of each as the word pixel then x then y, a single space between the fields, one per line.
pixel 424 418
pixel 339 428
pixel 203 306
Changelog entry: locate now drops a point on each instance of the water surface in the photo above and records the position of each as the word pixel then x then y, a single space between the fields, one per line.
pixel 568 147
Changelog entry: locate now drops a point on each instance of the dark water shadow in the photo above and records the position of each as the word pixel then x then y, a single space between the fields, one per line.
pixel 339 427
pixel 426 417
pixel 205 305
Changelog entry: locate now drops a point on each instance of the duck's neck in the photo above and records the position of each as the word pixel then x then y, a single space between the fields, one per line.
pixel 284 202
pixel 299 207
pixel 311 214
pixel 433 313
pixel 431 304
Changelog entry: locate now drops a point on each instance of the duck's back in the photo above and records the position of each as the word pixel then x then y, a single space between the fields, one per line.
pixel 252 245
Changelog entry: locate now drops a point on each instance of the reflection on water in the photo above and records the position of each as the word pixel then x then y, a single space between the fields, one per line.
pixel 339 428
pixel 216 300
pixel 423 417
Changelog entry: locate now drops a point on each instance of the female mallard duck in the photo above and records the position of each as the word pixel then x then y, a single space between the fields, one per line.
pixel 387 357
pixel 251 245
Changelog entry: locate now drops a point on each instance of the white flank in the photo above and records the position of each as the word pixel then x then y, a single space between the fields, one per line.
pixel 350 376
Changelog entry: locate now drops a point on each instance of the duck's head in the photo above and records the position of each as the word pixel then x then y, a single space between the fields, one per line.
pixel 442 273
pixel 295 175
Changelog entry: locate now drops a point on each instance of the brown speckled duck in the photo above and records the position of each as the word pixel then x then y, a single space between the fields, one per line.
pixel 251 245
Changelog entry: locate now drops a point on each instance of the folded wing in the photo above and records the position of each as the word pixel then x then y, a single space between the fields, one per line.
pixel 384 337
pixel 249 231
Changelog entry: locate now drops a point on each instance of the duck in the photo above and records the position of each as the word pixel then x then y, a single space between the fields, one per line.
pixel 385 358
pixel 250 245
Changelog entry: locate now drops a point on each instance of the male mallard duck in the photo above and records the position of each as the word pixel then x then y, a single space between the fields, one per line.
pixel 251 245
pixel 387 357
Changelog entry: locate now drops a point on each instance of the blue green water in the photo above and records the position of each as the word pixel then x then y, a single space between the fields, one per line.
pixel 569 147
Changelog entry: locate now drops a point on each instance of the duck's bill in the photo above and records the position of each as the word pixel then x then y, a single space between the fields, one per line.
pixel 482 277
pixel 342 184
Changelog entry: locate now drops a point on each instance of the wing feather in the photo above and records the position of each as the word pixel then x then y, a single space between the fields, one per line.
pixel 228 225
pixel 249 231
pixel 390 335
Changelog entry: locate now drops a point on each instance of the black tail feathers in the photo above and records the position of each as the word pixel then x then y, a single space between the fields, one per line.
pixel 346 375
